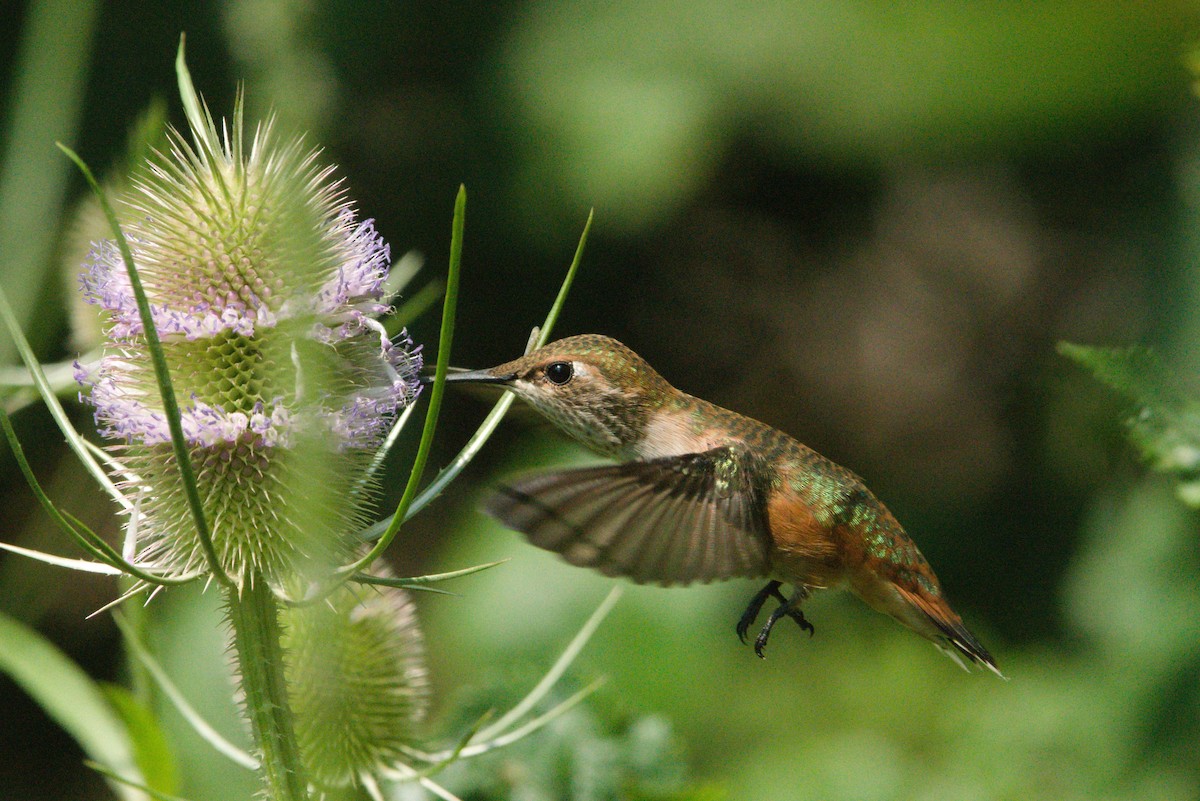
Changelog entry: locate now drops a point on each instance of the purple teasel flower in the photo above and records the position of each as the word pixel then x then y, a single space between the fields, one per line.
pixel 264 288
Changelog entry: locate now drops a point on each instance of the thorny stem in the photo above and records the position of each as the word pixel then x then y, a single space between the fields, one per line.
pixel 254 617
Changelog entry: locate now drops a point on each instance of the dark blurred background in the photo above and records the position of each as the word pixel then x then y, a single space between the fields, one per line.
pixel 866 224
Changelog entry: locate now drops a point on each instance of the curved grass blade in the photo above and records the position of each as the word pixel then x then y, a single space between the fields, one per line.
pixel 162 375
pixel 419 582
pixel 76 442
pixel 534 724
pixel 497 734
pixel 181 704
pixel 560 301
pixel 453 754
pixel 112 775
pixel 47 78
pixel 476 443
pixel 76 529
pixel 197 117
pixel 413 307
pixel 450 471
pixel 557 670
pixel 446 337
pixel 82 565
pixel 383 450
pixel 153 753
pixel 60 376
pixel 113 465
pixel 488 426
pixel 464 457
pixel 14 444
pixel 129 567
pixel 400 274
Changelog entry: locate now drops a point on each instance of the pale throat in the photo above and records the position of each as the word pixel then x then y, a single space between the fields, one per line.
pixel 673 433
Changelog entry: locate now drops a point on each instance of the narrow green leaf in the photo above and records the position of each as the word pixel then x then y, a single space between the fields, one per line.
pixel 60 376
pixel 192 107
pixel 123 781
pixel 557 669
pixel 72 526
pixel 418 581
pixel 449 307
pixel 77 443
pixel 69 696
pixel 438 766
pixel 82 565
pixel 451 471
pixel 381 453
pixel 492 421
pixel 414 306
pixel 46 78
pixel 532 725
pixel 173 694
pixel 560 301
pixel 162 376
pixel 18 453
pixel 150 747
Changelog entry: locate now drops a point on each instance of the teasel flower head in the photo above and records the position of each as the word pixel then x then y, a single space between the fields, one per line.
pixel 358 683
pixel 264 287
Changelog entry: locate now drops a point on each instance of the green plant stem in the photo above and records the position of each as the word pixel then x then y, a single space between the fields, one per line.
pixel 254 617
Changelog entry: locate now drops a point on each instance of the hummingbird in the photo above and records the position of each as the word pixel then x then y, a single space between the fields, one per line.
pixel 699 493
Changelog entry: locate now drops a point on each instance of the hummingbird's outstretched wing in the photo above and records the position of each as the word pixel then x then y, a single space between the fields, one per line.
pixel 674 520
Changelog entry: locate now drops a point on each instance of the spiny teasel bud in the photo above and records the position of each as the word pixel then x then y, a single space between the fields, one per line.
pixel 263 286
pixel 357 682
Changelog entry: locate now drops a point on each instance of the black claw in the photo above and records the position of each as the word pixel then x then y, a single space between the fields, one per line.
pixel 802 622
pixel 755 606
pixel 789 607
pixel 760 642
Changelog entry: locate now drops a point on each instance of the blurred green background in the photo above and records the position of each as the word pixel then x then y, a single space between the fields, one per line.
pixel 867 224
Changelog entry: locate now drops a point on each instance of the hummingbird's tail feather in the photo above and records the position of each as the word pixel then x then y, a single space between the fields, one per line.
pixel 951 636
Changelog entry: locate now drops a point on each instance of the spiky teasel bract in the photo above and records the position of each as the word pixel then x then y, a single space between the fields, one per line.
pixel 262 285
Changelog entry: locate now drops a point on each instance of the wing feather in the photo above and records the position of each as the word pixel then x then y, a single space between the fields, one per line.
pixel 675 520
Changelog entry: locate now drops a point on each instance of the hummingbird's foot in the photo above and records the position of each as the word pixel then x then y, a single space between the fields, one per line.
pixel 802 622
pixel 790 608
pixel 755 606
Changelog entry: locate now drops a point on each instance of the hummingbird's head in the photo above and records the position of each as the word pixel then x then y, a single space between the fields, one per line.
pixel 591 386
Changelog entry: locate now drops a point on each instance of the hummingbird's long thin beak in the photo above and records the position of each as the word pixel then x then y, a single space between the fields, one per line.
pixel 474 377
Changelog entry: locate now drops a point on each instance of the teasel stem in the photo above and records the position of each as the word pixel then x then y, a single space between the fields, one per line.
pixel 254 618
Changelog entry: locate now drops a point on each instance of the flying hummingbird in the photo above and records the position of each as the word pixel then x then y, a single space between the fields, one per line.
pixel 701 493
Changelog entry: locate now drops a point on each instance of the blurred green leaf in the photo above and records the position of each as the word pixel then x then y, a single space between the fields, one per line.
pixel 49 79
pixel 70 697
pixel 1166 425
pixel 149 742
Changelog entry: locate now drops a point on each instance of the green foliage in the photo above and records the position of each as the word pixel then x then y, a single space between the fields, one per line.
pixel 106 733
pixel 47 98
pixel 634 102
pixel 1166 424
pixel 155 759
pixel 581 757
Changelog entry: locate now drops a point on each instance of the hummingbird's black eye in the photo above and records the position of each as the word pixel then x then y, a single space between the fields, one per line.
pixel 560 372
